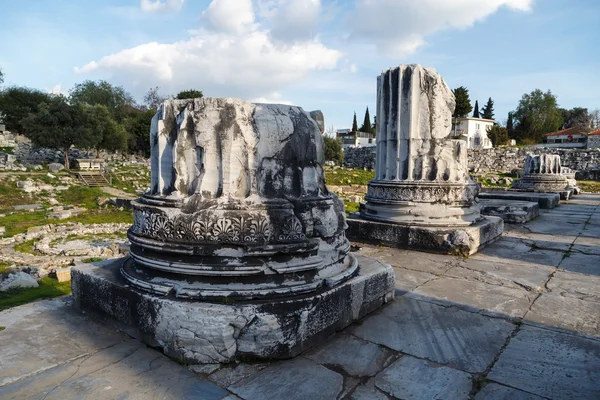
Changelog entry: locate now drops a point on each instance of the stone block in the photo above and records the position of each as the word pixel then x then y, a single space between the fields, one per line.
pixel 545 200
pixel 511 211
pixel 464 240
pixel 63 275
pixel 222 331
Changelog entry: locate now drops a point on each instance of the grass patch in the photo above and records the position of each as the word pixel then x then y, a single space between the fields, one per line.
pixel 10 195
pixel 92 260
pixel 350 207
pixel 2 328
pixel 343 176
pixel 7 150
pixel 19 222
pixel 26 247
pixel 82 196
pixel 110 216
pixel 4 266
pixel 589 186
pixel 48 289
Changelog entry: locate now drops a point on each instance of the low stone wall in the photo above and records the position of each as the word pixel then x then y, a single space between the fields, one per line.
pixel 586 162
pixel 360 157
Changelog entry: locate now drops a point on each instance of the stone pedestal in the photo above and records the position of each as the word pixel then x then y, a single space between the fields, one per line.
pixel 238 214
pixel 422 180
pixel 542 173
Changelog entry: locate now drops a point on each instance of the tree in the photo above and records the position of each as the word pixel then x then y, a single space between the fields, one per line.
pixel 509 124
pixel 374 126
pixel 17 102
pixel 153 99
pixel 487 111
pixel 113 136
pixel 595 119
pixel 59 125
pixel 116 99
pixel 537 114
pixel 476 110
pixel 577 117
pixel 138 127
pixel 1 77
pixel 333 149
pixel 366 126
pixel 463 103
pixel 189 94
pixel 498 135
pixel 354 124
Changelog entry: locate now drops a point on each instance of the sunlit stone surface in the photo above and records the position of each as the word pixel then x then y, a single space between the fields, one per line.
pixel 422 179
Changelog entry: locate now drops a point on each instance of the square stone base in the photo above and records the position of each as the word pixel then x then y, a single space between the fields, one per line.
pixel 545 200
pixel 202 332
pixel 447 240
pixel 511 211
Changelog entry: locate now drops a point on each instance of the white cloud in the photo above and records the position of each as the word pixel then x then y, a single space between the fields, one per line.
pixel 233 56
pixel 291 20
pixel 57 89
pixel 272 98
pixel 399 27
pixel 152 6
pixel 230 16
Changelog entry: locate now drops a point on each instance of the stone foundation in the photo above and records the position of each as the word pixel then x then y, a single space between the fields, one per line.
pixel 545 200
pixel 464 240
pixel 512 212
pixel 216 332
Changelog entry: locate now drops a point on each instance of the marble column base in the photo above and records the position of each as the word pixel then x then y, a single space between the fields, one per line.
pixel 463 240
pixel 541 183
pixel 220 332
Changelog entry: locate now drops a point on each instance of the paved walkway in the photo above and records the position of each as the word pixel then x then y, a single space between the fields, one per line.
pixel 519 320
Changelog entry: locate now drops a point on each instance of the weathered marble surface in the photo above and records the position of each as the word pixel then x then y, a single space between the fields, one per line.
pixel 421 172
pixel 238 205
pixel 203 332
pixel 511 211
pixel 542 173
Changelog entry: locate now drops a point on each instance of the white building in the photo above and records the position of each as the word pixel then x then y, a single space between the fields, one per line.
pixel 569 138
pixel 355 139
pixel 474 130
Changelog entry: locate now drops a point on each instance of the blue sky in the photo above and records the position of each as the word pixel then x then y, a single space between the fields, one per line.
pixel 319 54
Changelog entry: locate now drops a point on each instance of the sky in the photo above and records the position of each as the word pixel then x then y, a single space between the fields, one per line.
pixel 318 54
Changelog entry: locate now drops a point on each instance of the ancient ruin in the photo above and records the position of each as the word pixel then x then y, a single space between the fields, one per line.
pixel 422 196
pixel 542 173
pixel 238 219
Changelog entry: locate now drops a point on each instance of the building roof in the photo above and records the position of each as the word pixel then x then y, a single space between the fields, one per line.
pixel 596 132
pixel 477 119
pixel 575 130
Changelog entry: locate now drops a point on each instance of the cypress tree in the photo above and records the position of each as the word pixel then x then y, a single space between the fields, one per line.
pixel 354 124
pixel 476 110
pixel 487 112
pixel 366 126
pixel 463 103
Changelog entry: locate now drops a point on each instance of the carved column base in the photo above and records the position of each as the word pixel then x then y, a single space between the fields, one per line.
pixel 422 203
pixel 225 330
pixel 541 183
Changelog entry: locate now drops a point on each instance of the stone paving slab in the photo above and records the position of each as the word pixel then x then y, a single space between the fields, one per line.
pixel 587 245
pixel 493 391
pixel 41 337
pixel 413 260
pixel 410 378
pixel 575 285
pixel 126 370
pixel 566 313
pixel 541 241
pixel 297 379
pixel 446 335
pixel 530 276
pixel 581 263
pixel 368 391
pixel 355 356
pixel 407 279
pixel 514 251
pixel 551 224
pixel 550 364
pixel 475 296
